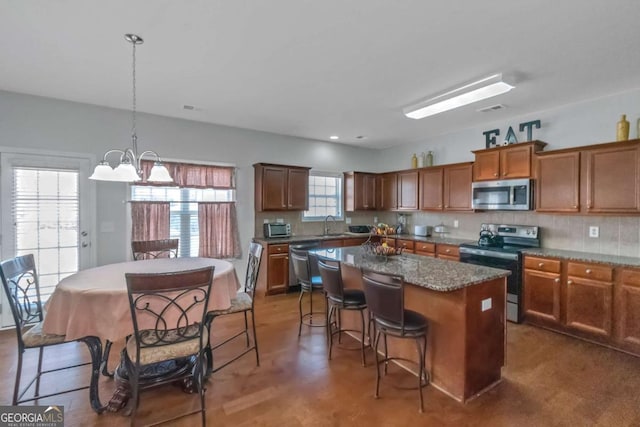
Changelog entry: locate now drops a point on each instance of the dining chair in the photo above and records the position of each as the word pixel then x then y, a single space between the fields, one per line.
pixel 242 303
pixel 21 285
pixel 385 298
pixel 168 312
pixel 309 283
pixel 150 249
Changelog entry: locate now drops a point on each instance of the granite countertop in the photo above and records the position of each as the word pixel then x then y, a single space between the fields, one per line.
pixel 622 261
pixel 431 273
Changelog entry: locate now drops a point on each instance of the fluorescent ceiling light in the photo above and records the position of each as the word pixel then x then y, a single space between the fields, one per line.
pixel 467 94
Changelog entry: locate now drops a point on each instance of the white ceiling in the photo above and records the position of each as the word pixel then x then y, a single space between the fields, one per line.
pixel 318 68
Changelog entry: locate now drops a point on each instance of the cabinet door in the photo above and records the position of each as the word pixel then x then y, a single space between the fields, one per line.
pixel 298 189
pixel 515 162
pixel 332 243
pixel 368 192
pixel 613 183
pixel 408 190
pixel 558 183
pixel 589 306
pixel 431 183
pixel 357 241
pixel 542 296
pixel 389 191
pixel 457 187
pixel 277 273
pixel 486 166
pixel 274 188
pixel 627 317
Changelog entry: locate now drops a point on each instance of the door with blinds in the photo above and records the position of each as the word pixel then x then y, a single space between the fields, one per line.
pixel 47 210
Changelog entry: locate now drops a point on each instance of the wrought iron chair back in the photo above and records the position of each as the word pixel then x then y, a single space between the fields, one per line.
pixel 150 249
pixel 253 267
pixel 20 283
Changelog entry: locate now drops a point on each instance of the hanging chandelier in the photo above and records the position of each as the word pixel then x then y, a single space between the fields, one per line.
pixel 129 168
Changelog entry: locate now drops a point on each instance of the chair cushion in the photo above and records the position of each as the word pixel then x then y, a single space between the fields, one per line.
pixel 160 353
pixel 242 302
pixel 413 323
pixel 34 337
pixel 352 297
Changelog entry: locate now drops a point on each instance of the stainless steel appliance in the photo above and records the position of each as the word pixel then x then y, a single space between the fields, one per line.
pixel 272 230
pixel 422 230
pixel 509 195
pixel 500 246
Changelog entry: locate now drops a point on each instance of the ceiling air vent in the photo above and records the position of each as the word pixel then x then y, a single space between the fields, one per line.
pixel 492 108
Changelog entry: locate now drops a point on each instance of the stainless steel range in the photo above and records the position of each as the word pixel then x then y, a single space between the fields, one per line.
pixel 501 246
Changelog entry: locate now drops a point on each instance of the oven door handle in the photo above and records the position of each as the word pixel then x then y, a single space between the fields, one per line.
pixel 512 195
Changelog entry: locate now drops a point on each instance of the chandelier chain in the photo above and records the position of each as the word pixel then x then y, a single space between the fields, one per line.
pixel 133 110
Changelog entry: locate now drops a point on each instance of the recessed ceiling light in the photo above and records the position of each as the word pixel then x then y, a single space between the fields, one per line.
pixel 334 137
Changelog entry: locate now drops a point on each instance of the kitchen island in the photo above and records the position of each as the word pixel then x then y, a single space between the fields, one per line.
pixel 465 305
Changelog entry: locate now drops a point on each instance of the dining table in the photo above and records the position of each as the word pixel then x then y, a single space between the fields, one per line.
pixel 95 302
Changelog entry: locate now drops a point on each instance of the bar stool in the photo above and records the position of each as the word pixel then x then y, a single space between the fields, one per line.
pixel 385 298
pixel 301 261
pixel 339 298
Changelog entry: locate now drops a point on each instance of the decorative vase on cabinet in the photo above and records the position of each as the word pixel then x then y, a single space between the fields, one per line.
pixel 622 129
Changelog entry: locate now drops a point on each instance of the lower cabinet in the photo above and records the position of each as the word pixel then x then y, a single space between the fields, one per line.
pixel 597 302
pixel 406 245
pixel 277 269
pixel 425 249
pixel 448 252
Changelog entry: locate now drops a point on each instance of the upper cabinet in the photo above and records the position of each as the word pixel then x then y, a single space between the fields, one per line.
pixel 281 188
pixel 457 187
pixel 408 190
pixel 506 162
pixel 558 183
pixel 388 196
pixel 599 179
pixel 431 189
pixel 359 191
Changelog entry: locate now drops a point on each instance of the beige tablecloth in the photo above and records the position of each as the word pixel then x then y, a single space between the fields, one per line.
pixel 95 301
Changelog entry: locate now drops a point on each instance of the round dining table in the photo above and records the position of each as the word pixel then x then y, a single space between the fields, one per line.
pixel 94 302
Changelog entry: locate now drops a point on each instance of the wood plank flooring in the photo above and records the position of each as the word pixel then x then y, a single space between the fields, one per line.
pixel 549 380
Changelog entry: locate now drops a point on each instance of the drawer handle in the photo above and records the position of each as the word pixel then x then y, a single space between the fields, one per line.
pixel 557 280
pixel 569 282
pixel 540 264
pixel 575 206
pixel 448 250
pixel 495 174
pixel 588 271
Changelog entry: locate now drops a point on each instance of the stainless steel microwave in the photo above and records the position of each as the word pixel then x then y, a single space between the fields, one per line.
pixel 507 195
pixel 276 230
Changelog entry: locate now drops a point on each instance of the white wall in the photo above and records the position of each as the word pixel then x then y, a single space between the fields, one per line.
pixel 43 123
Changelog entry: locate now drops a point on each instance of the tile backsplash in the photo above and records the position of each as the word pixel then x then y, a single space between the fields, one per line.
pixel 617 235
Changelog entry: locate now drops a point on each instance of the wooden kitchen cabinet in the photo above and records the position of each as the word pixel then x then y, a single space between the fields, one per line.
pixel 406 245
pixel 589 301
pixel 627 315
pixel 408 190
pixel 388 191
pixel 541 297
pixel 332 243
pixel 457 187
pixel 277 280
pixel 448 252
pixel 506 162
pixel 425 249
pixel 613 178
pixel 359 191
pixel 558 182
pixel 431 189
pixel 281 188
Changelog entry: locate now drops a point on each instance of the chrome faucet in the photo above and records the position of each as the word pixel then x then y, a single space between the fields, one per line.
pixel 326 223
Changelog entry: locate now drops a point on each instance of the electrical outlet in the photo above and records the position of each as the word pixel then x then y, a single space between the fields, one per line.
pixel 594 231
pixel 455 223
pixel 348 220
pixel 375 219
pixel 266 221
pixel 486 304
pixel 280 220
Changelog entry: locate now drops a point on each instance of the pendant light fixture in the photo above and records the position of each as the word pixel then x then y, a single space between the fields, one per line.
pixel 129 168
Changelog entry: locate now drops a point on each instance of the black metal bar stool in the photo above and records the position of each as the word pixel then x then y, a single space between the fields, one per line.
pixel 385 299
pixel 338 299
pixel 301 261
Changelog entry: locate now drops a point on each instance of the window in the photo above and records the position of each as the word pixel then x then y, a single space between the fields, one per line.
pixel 183 218
pixel 325 196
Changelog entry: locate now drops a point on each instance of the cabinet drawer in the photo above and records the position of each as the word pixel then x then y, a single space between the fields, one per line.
pixel 448 250
pixel 542 264
pixel 590 271
pixel 278 249
pixel 425 247
pixel 389 241
pixel 407 244
pixel 630 278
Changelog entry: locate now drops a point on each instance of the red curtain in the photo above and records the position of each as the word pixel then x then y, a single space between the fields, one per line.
pixel 218 224
pixel 193 176
pixel 150 220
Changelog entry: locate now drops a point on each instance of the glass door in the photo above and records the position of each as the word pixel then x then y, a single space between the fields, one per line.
pixel 46 211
